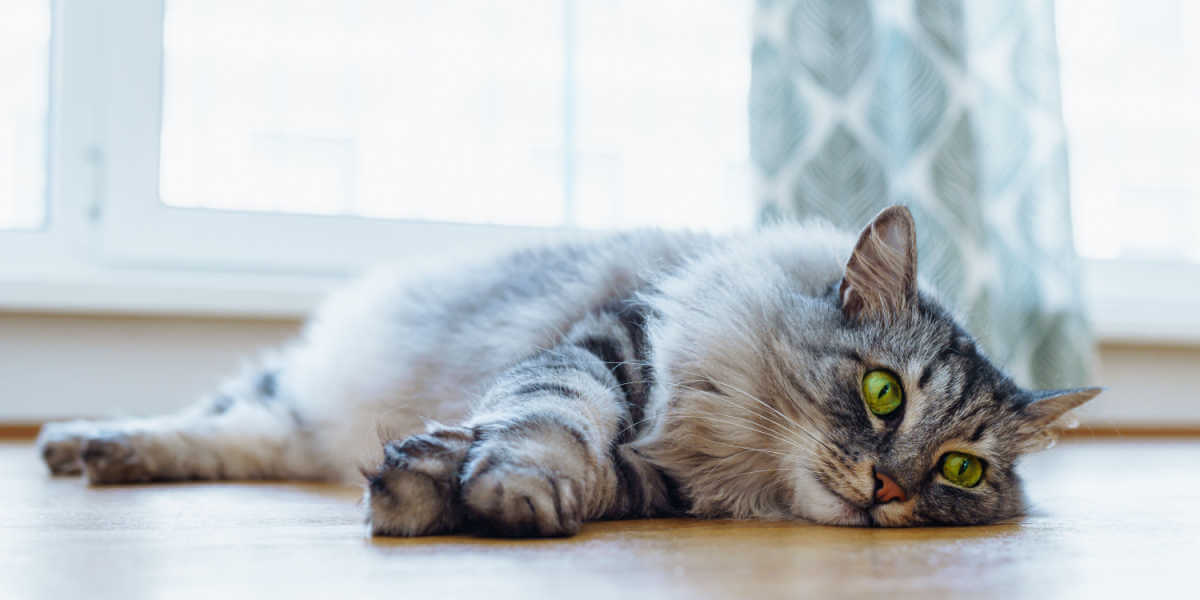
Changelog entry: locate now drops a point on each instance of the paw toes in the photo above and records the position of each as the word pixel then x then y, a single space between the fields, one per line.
pixel 415 490
pixel 569 508
pixel 113 459
pixel 60 449
pixel 62 458
pixel 518 501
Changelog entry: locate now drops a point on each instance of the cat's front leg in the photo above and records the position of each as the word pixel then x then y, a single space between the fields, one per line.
pixel 541 453
pixel 508 479
pixel 534 477
pixel 416 489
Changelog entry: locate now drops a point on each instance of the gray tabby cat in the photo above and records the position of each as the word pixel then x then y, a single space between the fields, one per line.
pixel 789 374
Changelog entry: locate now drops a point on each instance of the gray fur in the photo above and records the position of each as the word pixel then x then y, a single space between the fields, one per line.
pixel 640 375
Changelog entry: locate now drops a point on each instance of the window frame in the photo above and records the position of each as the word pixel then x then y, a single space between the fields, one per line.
pixel 136 228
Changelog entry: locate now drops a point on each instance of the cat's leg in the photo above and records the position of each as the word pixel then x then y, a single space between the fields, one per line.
pixel 250 430
pixel 540 455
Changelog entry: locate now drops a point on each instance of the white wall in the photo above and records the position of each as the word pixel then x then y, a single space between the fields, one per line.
pixel 1152 386
pixel 55 366
pixel 58 366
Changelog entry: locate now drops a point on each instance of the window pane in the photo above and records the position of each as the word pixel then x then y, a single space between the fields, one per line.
pixel 1131 85
pixel 662 117
pixel 24 51
pixel 444 111
pixel 463 110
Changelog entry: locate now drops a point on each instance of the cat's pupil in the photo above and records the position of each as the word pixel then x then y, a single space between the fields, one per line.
pixel 884 390
pixel 962 466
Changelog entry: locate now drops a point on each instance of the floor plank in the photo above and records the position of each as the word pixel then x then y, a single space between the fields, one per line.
pixel 1113 516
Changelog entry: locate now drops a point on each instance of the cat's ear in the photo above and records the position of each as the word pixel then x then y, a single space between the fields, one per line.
pixel 881 276
pixel 1048 413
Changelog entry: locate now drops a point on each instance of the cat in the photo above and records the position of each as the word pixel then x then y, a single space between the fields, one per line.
pixel 793 373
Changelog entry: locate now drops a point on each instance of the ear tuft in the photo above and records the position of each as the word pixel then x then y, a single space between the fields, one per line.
pixel 880 280
pixel 1049 413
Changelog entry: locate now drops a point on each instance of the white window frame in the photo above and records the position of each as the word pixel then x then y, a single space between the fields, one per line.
pixel 138 229
pixel 109 244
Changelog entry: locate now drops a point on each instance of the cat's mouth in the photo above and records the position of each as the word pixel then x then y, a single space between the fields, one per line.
pixel 860 514
pixel 852 513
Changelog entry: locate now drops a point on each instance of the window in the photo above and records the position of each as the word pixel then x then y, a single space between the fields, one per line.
pixel 24 60
pixel 242 157
pixel 321 136
pixel 1131 84
pixel 544 113
pixel 437 111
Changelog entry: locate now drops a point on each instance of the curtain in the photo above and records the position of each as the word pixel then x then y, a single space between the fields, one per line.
pixel 951 107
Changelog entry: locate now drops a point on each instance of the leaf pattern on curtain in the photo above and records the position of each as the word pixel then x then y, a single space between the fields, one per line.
pixel 951 107
pixel 842 179
pixel 832 39
pixel 942 21
pixel 908 101
pixel 778 119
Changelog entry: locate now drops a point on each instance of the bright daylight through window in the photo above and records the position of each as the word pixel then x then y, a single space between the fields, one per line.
pixel 24 49
pixel 1130 79
pixel 539 113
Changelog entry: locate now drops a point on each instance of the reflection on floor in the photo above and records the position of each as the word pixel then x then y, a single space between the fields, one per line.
pixel 1119 516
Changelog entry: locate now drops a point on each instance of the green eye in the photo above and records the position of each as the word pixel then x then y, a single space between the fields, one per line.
pixel 962 469
pixel 882 392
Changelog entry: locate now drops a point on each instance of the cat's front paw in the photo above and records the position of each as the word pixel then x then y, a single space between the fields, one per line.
pixel 507 497
pixel 415 490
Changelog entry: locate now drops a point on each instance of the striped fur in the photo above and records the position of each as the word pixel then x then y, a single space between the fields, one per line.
pixel 645 374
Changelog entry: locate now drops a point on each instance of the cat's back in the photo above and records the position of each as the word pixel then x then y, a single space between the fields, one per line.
pixel 446 332
pixel 466 322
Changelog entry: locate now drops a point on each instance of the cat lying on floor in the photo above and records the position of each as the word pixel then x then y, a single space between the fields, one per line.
pixel 786 374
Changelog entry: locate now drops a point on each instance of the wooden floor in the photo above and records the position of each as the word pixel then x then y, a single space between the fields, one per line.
pixel 1114 517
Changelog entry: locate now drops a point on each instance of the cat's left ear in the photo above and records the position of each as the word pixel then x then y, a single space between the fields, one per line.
pixel 880 281
pixel 1048 413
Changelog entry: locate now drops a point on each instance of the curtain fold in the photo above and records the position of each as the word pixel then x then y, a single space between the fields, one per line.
pixel 951 107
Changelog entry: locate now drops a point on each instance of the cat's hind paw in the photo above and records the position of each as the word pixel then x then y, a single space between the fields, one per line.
pixel 60 446
pixel 114 458
pixel 415 490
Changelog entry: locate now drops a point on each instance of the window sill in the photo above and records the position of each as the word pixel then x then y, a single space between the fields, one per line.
pixel 1134 303
pixel 1144 302
pixel 191 294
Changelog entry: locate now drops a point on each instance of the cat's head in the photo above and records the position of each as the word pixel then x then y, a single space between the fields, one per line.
pixel 859 403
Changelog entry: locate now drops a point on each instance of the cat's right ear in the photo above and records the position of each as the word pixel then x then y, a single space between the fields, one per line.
pixel 880 281
pixel 1047 413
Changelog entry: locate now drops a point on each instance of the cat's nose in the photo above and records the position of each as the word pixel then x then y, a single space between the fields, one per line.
pixel 886 489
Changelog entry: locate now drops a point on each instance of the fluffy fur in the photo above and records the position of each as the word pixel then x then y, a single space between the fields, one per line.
pixel 644 374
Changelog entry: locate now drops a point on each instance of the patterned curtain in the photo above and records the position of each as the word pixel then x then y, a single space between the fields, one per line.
pixel 948 106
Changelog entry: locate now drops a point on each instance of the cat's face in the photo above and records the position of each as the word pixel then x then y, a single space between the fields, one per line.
pixel 868 406
pixel 912 425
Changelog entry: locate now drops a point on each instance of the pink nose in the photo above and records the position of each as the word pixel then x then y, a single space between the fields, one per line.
pixel 886 489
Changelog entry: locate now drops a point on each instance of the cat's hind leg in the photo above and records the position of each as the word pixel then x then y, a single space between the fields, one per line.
pixel 249 430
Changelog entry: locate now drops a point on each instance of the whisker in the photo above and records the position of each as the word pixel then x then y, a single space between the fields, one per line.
pixel 790 421
pixel 748 425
